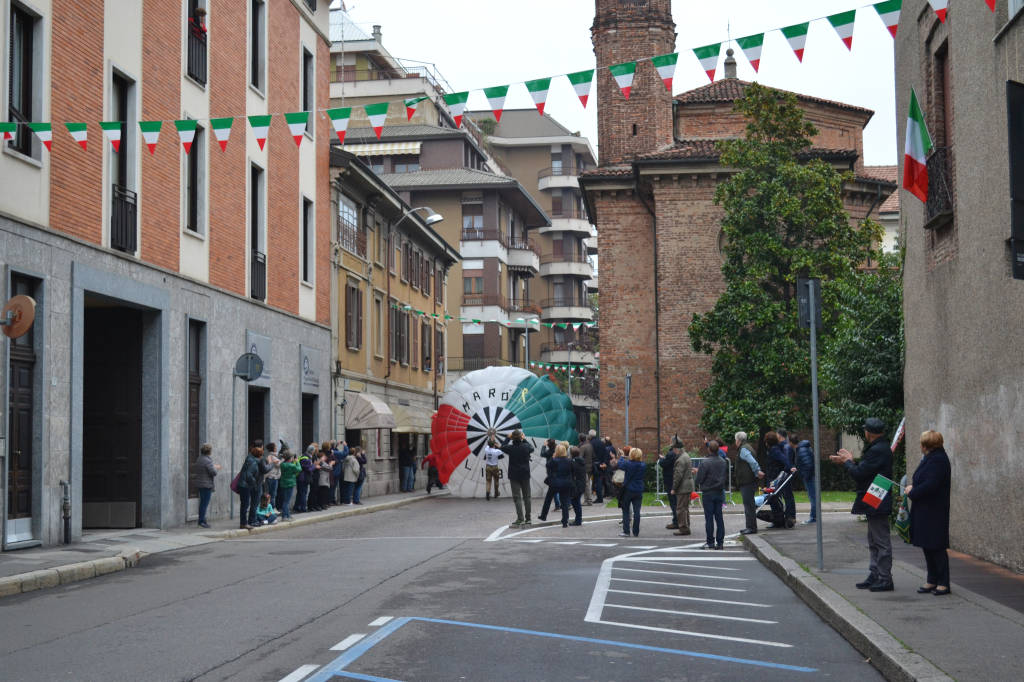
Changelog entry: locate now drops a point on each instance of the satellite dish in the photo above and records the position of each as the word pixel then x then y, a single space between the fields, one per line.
pixel 249 367
pixel 17 316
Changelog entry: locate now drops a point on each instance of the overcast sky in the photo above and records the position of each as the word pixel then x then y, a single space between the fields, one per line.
pixel 480 43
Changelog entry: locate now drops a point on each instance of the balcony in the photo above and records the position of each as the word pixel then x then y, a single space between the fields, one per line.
pixel 558 353
pixel 591 285
pixel 559 177
pixel 353 241
pixel 939 209
pixel 482 300
pixel 123 219
pixel 571 264
pixel 590 243
pixel 196 51
pixel 484 235
pixel 458 365
pixel 523 257
pixel 569 219
pixel 567 308
pixel 258 276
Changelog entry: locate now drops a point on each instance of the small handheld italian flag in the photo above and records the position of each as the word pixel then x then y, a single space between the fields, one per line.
pixel 581 81
pixel 496 99
pixel 623 75
pixel 538 90
pixel 339 119
pixel 877 491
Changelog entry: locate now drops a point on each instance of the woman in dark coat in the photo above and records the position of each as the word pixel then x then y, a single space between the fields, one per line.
pixel 929 512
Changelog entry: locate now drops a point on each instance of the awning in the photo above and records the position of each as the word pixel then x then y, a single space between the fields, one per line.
pixel 410 419
pixel 367 411
pixel 383 148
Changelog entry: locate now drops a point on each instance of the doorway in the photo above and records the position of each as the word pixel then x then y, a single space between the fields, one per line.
pixel 309 431
pixel 21 423
pixel 259 406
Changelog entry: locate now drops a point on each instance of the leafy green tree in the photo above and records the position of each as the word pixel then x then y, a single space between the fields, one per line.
pixel 784 219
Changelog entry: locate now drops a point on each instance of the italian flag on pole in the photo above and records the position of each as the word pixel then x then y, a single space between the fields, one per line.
pixel 538 90
pixel 222 130
pixel 751 46
pixel 496 99
pixel 666 66
pixel 150 133
pixel 112 131
pixel 623 75
pixel 843 24
pixel 457 103
pixel 377 113
pixel 260 128
pixel 877 491
pixel 297 125
pixel 581 81
pixel 79 132
pixel 889 11
pixel 796 35
pixel 44 131
pixel 410 106
pixel 708 57
pixel 339 119
pixel 187 133
pixel 915 159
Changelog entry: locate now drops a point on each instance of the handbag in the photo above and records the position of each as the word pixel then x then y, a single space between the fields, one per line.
pixel 234 482
pixel 619 477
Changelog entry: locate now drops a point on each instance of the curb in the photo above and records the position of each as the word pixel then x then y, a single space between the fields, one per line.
pixel 71 573
pixel 890 657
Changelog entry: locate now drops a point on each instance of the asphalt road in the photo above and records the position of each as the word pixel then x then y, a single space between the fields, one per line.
pixel 430 591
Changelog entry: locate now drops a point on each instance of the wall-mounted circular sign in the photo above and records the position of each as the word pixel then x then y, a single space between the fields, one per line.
pixel 18 315
pixel 249 367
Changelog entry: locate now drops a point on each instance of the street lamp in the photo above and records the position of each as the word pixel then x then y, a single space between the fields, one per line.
pixel 431 217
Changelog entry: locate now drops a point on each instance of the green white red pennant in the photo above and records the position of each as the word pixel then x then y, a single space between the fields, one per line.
pixel 78 132
pixel 44 131
pixel 991 4
pixel 457 103
pixel 666 66
pixel 260 128
pixel 496 99
pixel 916 150
pixel 150 133
pixel 297 121
pixel 796 36
pixel 751 46
pixel 222 130
pixel 623 75
pixel 112 131
pixel 377 113
pixel 8 129
pixel 186 133
pixel 339 119
pixel 410 106
pixel 843 24
pixel 889 11
pixel 538 90
pixel 708 57
pixel 940 7
pixel 581 81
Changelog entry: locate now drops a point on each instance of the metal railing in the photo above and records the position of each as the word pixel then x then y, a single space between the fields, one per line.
pixel 353 240
pixel 485 299
pixel 523 306
pixel 582 345
pixel 196 51
pixel 564 258
pixel 566 301
pixel 563 170
pixel 124 211
pixel 258 276
pixel 471 364
pixel 569 211
pixel 473 234
pixel 939 208
pixel 523 244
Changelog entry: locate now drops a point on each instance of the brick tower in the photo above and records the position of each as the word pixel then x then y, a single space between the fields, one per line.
pixel 623 31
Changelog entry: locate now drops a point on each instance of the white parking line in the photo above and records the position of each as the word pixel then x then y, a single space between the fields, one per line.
pixel 600 544
pixel 691 613
pixel 705 635
pixel 532 541
pixel 685 575
pixel 567 542
pixel 347 642
pixel 713 559
pixel 677 596
pixel 381 621
pixel 670 563
pixel 699 587
pixel 299 673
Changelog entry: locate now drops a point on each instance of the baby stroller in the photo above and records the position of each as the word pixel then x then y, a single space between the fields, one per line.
pixel 771 492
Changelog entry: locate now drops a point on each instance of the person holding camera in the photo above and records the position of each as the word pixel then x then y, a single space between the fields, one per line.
pixel 491 456
pixel 518 450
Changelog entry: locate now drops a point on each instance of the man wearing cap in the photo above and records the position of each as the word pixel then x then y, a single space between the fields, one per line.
pixel 876 459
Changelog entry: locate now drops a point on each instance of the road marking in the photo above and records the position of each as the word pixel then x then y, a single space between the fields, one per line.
pixel 652 628
pixel 717 558
pixel 534 541
pixel 704 599
pixel 299 673
pixel 347 642
pixel 670 563
pixel 686 575
pixel 699 587
pixel 380 621
pixel 691 613
pixel 496 535
pixel 600 544
pixel 642 546
pixel 566 542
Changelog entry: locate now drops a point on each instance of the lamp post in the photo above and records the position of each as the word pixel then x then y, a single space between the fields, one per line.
pixel 431 218
pixel 570 345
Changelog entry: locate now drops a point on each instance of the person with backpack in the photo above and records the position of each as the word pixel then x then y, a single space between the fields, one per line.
pixel 632 489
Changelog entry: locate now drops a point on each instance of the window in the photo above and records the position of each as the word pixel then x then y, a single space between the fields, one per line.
pixel 124 202
pixel 196 338
pixel 196 41
pixel 438 282
pixel 427 339
pixel 439 350
pixel 353 317
pixel 399 336
pixel 378 326
pixel 406 261
pixel 472 285
pixel 473 218
pixel 427 274
pixel 307 246
pixel 258 263
pixel 392 247
pixel 414 343
pixel 195 184
pixel 257 47
pixel 22 85
pixel 417 265
pixel 405 164
pixel 393 331
pixel 351 237
pixel 311 4
pixel 308 89
pixel 1015 6
pixel 376 163
pixel 405 338
pixel 382 243
pixel 556 164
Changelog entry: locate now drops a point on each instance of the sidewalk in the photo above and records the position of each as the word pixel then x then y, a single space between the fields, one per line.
pixel 106 551
pixel 974 634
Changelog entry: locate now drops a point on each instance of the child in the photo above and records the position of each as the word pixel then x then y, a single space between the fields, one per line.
pixel 265 513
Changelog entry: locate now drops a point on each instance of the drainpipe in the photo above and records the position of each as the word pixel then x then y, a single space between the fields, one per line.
pixel 66 510
pixel 657 307
pixel 433 309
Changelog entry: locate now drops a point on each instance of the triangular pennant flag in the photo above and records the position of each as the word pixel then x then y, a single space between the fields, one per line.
pixel 916 150
pixel 991 4
pixel 410 106
pixel 538 90
pixel 843 24
pixel 581 81
pixel 44 131
pixel 940 7
pixel 112 131
pixel 623 75
pixel 666 66
pixel 377 113
pixel 708 57
pixel 150 133
pixel 186 132
pixel 79 132
pixel 222 130
pixel 297 122
pixel 457 103
pixel 339 119
pixel 8 129
pixel 751 46
pixel 796 35
pixel 496 99
pixel 260 128
pixel 889 11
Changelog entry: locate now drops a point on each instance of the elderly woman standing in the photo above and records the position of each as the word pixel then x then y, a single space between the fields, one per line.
pixel 632 489
pixel 929 512
pixel 206 471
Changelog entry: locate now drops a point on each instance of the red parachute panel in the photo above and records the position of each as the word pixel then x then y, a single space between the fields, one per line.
pixel 448 445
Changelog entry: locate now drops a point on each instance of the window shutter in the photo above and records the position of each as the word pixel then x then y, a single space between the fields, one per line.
pixel 359 319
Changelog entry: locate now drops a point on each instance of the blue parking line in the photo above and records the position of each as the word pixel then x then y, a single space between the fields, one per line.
pixel 337 666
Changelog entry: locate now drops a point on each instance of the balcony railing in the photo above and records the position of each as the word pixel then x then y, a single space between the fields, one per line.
pixel 258 276
pixel 563 170
pixel 939 208
pixel 583 344
pixel 566 301
pixel 471 364
pixel 196 51
pixel 569 212
pixel 564 258
pixel 123 220
pixel 522 244
pixel 354 241
pixel 523 306
pixel 484 235
pixel 485 299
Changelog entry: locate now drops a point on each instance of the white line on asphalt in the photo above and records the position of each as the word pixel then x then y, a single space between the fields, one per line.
pixel 567 542
pixel 691 613
pixel 299 673
pixel 380 621
pixel 496 535
pixel 686 575
pixel 642 546
pixel 699 587
pixel 347 642
pixel 534 541
pixel 675 565
pixel 599 544
pixel 677 596
pixel 671 560
pixel 651 628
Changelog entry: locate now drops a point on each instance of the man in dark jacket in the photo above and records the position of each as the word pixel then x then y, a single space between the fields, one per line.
pixel 876 459
pixel 406 468
pixel 667 464
pixel 805 465
pixel 787 492
pixel 601 459
pixel 587 453
pixel 712 477
pixel 518 450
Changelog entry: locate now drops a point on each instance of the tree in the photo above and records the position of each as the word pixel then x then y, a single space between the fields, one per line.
pixel 784 219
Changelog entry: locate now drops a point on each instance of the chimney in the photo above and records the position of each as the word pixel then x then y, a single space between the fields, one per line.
pixel 730 64
pixel 377 36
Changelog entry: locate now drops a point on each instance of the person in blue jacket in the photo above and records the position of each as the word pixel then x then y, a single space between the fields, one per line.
pixel 929 512
pixel 805 465
pixel 632 489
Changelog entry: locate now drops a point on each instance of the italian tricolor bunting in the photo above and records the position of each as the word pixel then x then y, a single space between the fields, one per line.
pixel 8 129
pixel 150 133
pixel 581 81
pixel 79 132
pixel 708 57
pixel 538 90
pixel 339 119
pixel 889 11
pixel 915 159
pixel 877 491
pixel 751 46
pixel 222 130
pixel 44 131
pixel 843 24
pixel 796 35
pixel 666 66
pixel 377 113
pixel 186 133
pixel 112 131
pixel 457 103
pixel 991 4
pixel 623 75
pixel 297 121
pixel 940 7
pixel 496 99
pixel 410 106
pixel 260 128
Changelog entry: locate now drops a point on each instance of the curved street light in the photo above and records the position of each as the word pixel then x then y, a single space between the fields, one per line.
pixel 430 218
